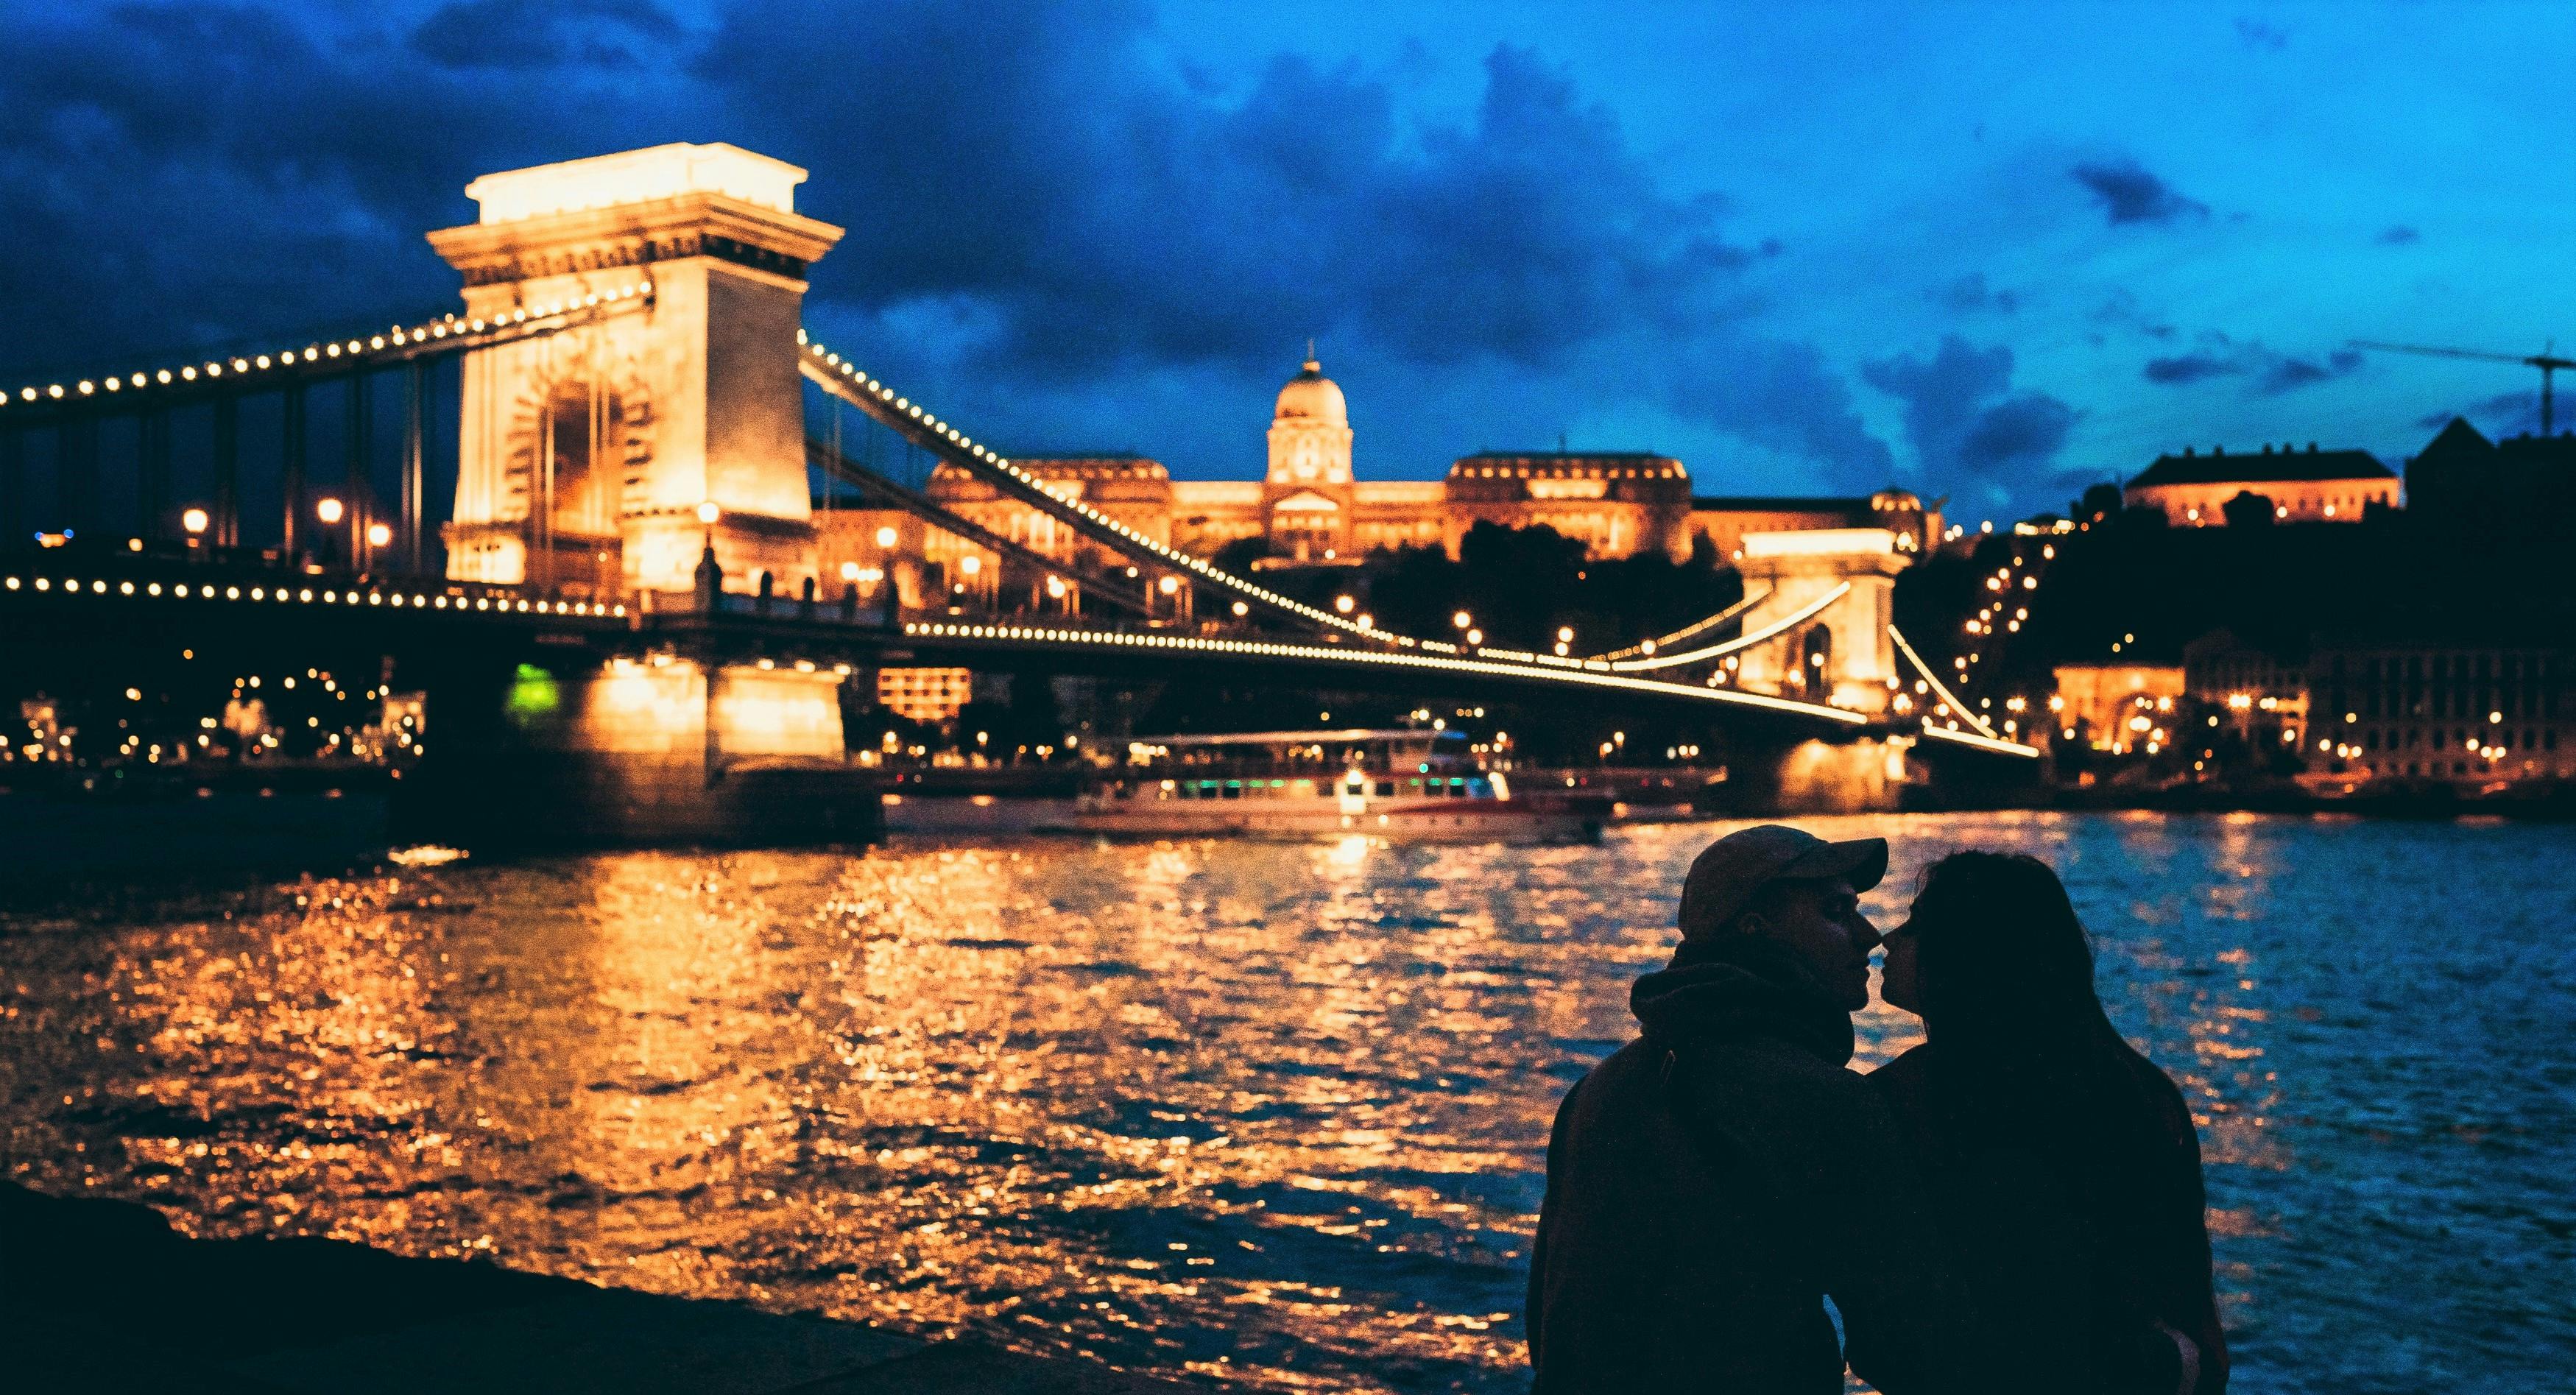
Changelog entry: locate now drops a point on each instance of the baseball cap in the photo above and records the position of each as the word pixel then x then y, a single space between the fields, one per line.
pixel 1727 873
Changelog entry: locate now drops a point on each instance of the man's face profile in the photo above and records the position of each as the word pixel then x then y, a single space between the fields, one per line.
pixel 1822 923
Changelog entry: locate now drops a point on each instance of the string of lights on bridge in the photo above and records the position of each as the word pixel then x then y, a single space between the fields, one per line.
pixel 1274 649
pixel 306 595
pixel 1650 647
pixel 400 341
pixel 880 400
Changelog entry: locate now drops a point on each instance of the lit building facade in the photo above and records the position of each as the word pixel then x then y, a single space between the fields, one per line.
pixel 1724 520
pixel 2305 486
pixel 2117 707
pixel 2462 714
pixel 1310 505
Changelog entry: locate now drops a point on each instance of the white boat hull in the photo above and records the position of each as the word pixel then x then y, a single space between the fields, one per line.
pixel 1442 821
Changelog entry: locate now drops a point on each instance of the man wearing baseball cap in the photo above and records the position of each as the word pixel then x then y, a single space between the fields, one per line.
pixel 1714 1181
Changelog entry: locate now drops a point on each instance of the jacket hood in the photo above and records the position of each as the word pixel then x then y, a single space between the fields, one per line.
pixel 1737 987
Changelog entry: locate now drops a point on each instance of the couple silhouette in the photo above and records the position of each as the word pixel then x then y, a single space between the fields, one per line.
pixel 2015 1205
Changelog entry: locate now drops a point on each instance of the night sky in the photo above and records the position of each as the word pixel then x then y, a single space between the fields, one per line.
pixel 1993 252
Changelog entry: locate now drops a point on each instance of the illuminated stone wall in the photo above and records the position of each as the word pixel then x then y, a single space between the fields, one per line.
pixel 628 424
pixel 1842 653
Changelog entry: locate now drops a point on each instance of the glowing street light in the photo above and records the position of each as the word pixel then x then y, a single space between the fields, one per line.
pixel 886 536
pixel 1462 620
pixel 1169 585
pixel 194 521
pixel 708 513
pixel 1475 636
pixel 970 564
pixel 330 510
pixel 1344 604
pixel 379 534
pixel 849 571
pixel 1565 634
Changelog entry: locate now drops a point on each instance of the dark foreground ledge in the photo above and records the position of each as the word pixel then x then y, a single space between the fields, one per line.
pixel 103 1295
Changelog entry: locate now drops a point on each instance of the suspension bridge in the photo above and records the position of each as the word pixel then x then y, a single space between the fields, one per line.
pixel 632 510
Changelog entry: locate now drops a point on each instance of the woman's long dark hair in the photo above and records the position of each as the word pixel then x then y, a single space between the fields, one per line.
pixel 2024 1057
pixel 2008 997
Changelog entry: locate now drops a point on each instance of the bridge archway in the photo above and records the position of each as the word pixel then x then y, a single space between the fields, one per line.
pixel 1841 654
pixel 703 378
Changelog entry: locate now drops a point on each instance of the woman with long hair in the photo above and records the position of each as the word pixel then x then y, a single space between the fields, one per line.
pixel 2064 1162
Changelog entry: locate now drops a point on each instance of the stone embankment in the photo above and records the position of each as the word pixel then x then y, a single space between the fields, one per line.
pixel 104 1296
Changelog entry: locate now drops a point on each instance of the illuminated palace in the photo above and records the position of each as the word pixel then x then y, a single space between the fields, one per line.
pixel 1310 507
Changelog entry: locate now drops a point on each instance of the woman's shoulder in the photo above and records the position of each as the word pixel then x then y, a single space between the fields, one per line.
pixel 2172 1113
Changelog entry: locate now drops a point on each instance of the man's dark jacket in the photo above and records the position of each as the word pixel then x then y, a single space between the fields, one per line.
pixel 1712 1181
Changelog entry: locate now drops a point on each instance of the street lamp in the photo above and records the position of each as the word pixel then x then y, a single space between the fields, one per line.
pixel 1169 586
pixel 1344 604
pixel 379 534
pixel 886 536
pixel 329 510
pixel 194 522
pixel 1462 620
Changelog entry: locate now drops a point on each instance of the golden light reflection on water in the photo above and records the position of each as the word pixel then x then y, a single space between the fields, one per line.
pixel 1276 1114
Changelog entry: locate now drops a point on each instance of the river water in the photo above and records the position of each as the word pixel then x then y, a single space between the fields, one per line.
pixel 1268 1114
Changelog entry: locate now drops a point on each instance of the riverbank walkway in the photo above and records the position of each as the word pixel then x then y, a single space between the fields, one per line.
pixel 103 1295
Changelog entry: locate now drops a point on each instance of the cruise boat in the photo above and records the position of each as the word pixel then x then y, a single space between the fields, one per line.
pixel 1402 784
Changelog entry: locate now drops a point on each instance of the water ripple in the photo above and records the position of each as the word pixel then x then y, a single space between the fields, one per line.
pixel 1271 1114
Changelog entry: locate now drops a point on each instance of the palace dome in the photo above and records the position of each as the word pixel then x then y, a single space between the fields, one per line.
pixel 1310 396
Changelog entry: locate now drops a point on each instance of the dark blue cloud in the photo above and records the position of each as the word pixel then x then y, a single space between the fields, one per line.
pixel 2192 367
pixel 2505 414
pixel 2130 194
pixel 2255 34
pixel 2287 374
pixel 1970 294
pixel 1184 225
pixel 519 34
pixel 1966 424
pixel 2215 355
pixel 1049 224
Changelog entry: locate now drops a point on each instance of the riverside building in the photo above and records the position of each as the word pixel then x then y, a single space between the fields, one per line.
pixel 2304 486
pixel 1312 507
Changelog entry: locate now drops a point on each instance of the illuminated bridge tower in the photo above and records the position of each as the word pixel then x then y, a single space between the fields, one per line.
pixel 583 456
pixel 1834 590
pixel 1840 653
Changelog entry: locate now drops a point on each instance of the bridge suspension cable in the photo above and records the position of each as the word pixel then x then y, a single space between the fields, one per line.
pixel 1948 698
pixel 1699 626
pixel 1381 658
pixel 236 374
pixel 838 466
pixel 1773 630
pixel 843 379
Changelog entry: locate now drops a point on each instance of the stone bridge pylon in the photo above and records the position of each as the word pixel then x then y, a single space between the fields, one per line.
pixel 1841 653
pixel 584 455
